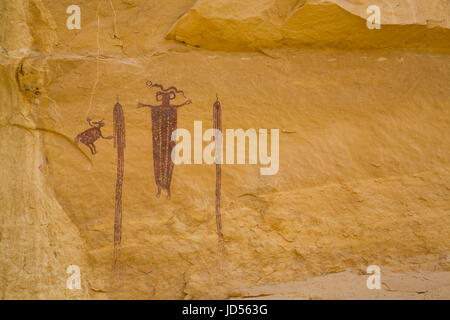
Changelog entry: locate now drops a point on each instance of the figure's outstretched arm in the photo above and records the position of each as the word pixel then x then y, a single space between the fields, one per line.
pixel 183 104
pixel 109 137
pixel 141 105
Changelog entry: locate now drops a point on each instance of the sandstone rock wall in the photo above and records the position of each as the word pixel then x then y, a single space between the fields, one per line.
pixel 255 25
pixel 364 151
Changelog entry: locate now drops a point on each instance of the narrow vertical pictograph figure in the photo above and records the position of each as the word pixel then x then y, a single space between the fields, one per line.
pixel 119 145
pixel 89 136
pixel 217 126
pixel 164 122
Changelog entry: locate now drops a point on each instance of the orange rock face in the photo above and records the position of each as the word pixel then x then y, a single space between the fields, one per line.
pixel 364 163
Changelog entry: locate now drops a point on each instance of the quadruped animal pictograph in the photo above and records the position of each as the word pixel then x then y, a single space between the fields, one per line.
pixel 91 135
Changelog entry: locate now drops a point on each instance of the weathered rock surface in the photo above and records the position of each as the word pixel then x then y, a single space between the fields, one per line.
pixel 364 172
pixel 256 24
pixel 350 285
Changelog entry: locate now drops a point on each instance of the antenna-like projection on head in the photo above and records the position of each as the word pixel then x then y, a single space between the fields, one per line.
pixel 151 85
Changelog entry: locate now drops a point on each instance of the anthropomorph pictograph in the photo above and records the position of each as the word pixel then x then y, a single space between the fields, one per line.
pixel 119 144
pixel 217 126
pixel 89 136
pixel 164 122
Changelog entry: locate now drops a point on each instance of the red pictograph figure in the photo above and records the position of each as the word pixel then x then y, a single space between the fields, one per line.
pixel 89 136
pixel 217 125
pixel 164 122
pixel 119 144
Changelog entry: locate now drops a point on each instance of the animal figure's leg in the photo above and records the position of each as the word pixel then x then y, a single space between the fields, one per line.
pixel 77 139
pixel 93 147
pixel 90 147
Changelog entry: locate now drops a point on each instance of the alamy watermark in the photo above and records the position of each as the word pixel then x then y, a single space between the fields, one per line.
pixel 374 18
pixel 235 140
pixel 74 280
pixel 74 20
pixel 374 281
